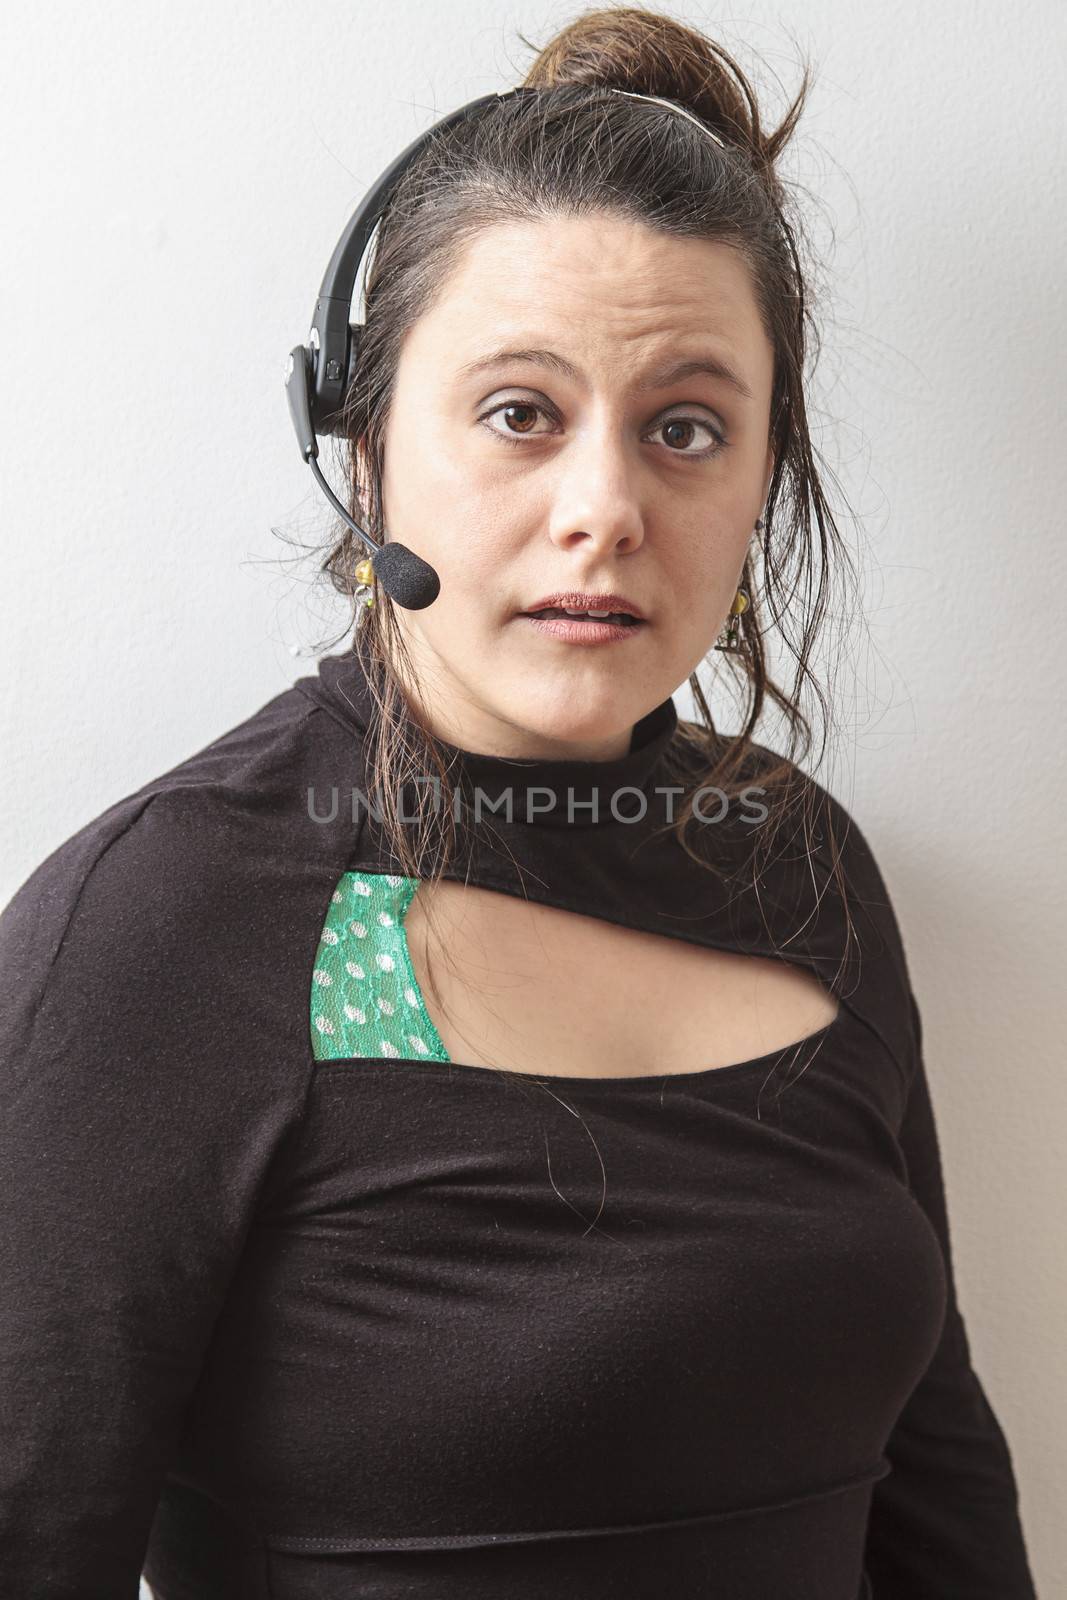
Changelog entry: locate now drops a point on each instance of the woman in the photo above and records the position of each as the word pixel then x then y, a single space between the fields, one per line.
pixel 466 1130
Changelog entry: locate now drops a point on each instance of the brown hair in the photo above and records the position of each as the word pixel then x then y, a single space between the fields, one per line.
pixel 575 148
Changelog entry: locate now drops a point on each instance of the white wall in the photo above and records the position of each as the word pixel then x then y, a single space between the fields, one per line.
pixel 175 179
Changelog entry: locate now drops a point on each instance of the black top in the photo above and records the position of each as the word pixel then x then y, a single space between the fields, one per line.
pixel 289 1311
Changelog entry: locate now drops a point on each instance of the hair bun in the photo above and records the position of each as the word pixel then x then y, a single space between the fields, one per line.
pixel 629 48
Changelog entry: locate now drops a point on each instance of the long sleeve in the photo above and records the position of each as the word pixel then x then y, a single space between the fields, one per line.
pixel 134 1141
pixel 945 1522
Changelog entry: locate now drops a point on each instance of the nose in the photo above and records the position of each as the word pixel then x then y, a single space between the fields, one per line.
pixel 599 499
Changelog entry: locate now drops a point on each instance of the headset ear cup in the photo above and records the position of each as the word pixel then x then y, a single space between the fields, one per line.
pixel 333 422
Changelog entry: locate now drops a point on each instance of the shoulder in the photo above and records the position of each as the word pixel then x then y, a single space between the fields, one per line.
pixel 815 870
pixel 160 918
pixel 811 821
pixel 138 843
pixel 851 888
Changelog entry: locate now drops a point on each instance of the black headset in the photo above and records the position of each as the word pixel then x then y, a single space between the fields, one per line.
pixel 321 372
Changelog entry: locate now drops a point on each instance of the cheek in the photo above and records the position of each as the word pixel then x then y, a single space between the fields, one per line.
pixel 417 479
pixel 708 561
pixel 481 547
pixel 478 587
pixel 704 578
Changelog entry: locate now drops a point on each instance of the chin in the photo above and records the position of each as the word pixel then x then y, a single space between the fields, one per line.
pixel 594 718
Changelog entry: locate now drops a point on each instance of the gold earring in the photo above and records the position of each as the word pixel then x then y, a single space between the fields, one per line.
pixel 730 637
pixel 365 580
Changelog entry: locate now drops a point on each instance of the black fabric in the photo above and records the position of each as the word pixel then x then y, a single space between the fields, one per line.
pixel 273 1326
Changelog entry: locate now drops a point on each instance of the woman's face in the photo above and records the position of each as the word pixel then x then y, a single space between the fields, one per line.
pixel 520 479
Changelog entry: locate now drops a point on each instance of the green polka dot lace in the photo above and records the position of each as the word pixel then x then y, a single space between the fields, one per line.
pixel 365 1001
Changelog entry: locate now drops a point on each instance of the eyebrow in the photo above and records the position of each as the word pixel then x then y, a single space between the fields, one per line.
pixel 662 378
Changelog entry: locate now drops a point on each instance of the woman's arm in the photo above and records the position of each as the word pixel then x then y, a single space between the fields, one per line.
pixel 945 1522
pixel 133 1147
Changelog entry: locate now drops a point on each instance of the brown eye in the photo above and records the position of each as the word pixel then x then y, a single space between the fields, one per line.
pixel 524 408
pixel 524 412
pixel 686 427
pixel 512 409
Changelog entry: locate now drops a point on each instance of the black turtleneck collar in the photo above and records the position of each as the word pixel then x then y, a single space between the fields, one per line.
pixel 543 792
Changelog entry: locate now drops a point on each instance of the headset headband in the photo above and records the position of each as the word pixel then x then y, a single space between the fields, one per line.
pixel 332 349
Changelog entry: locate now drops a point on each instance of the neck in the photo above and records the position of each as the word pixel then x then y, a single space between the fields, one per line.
pixel 456 719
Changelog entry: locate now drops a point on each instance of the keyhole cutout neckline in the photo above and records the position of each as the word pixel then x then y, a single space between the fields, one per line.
pixel 367 1004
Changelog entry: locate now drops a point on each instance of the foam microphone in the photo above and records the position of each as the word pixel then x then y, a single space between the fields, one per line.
pixel 405 577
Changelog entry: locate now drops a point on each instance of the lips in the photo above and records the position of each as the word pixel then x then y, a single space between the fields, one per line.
pixel 583 602
pixel 622 617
